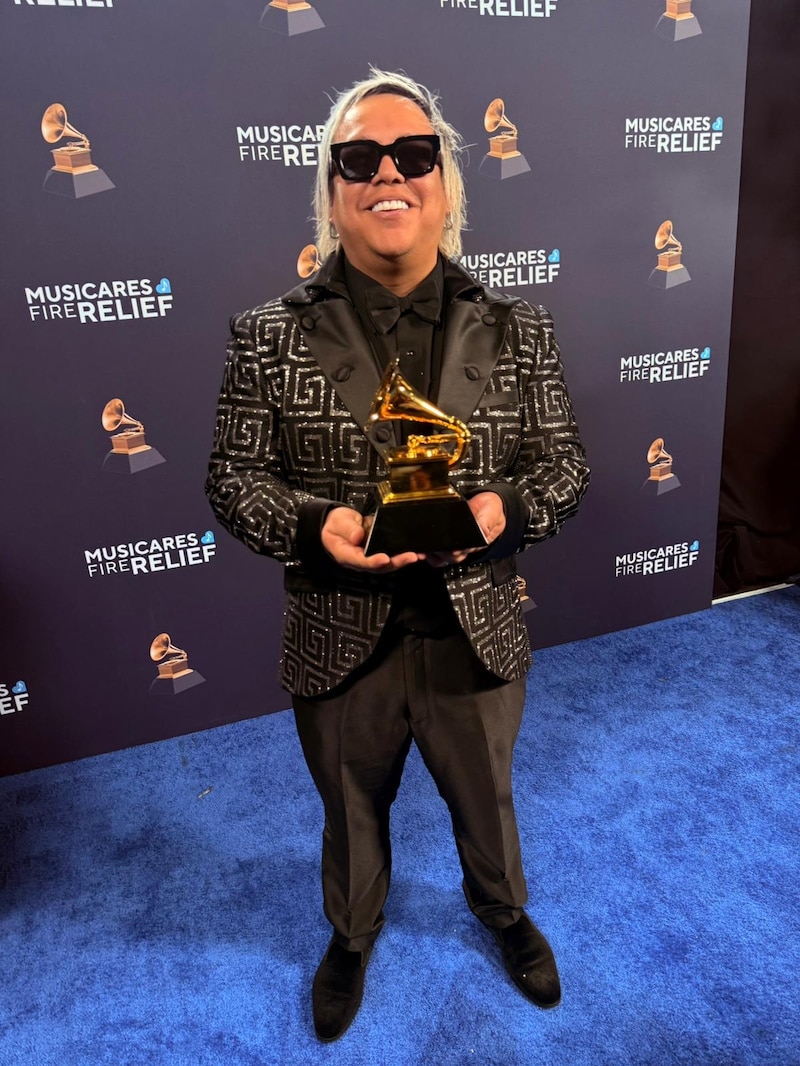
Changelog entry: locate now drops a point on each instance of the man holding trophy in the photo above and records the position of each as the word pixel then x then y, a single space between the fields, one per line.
pixel 394 433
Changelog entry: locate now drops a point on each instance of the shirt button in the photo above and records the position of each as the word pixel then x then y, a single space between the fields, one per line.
pixel 342 373
pixel 472 373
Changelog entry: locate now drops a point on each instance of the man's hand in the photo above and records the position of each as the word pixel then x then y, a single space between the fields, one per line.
pixel 487 507
pixel 343 536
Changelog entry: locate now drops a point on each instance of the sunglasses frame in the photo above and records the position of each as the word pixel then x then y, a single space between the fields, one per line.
pixel 387 149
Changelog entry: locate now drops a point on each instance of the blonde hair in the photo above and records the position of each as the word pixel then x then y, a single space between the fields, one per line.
pixel 381 82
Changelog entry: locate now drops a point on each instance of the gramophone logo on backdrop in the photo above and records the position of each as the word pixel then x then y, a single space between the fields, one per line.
pixel 664 559
pixel 13 697
pixel 130 453
pixel 678 22
pixel 662 477
pixel 100 301
pixel 174 673
pixel 293 144
pixel 152 555
pixel 676 364
pixel 504 159
pixel 534 9
pixel 675 134
pixel 308 262
pixel 669 271
pixel 73 174
pixel 290 17
pixel 514 268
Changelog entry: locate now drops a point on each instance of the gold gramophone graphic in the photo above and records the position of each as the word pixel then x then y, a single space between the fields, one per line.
pixel 670 271
pixel 130 453
pixel 290 17
pixel 504 159
pixel 308 262
pixel 74 174
pixel 417 508
pixel 677 23
pixel 174 673
pixel 662 479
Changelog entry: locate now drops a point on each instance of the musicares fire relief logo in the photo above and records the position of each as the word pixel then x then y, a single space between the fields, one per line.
pixel 64 3
pixel 514 268
pixel 534 9
pixel 13 698
pixel 660 560
pixel 675 364
pixel 292 144
pixel 152 555
pixel 100 301
pixel 688 133
pixel 290 17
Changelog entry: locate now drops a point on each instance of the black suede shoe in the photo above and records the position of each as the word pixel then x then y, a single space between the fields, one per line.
pixel 530 962
pixel 337 990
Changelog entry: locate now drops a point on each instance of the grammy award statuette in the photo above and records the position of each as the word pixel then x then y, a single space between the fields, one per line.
pixel 678 21
pixel 290 17
pixel 73 173
pixel 662 477
pixel 174 673
pixel 130 453
pixel 417 507
pixel 504 159
pixel 669 270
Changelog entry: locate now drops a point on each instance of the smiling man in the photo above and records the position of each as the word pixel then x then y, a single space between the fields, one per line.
pixel 381 651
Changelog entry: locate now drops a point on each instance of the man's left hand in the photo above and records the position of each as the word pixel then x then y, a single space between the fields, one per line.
pixel 487 507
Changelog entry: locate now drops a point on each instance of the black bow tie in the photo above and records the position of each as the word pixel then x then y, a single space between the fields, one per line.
pixel 385 308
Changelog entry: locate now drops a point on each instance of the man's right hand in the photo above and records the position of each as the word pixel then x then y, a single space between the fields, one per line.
pixel 343 536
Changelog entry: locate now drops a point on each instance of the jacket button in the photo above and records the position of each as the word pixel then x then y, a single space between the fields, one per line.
pixel 307 322
pixel 472 373
pixel 489 320
pixel 383 434
pixel 342 373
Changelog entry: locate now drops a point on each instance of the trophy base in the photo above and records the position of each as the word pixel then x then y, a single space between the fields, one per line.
pixel 173 686
pixel 677 29
pixel 444 524
pixel 290 23
pixel 78 184
pixel 494 166
pixel 668 279
pixel 653 487
pixel 132 462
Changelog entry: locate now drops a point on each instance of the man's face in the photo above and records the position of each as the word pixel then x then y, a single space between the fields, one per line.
pixel 390 221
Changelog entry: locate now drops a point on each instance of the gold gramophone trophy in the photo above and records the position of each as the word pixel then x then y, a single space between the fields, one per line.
pixel 174 673
pixel 418 509
pixel 290 17
pixel 74 174
pixel 130 453
pixel 670 271
pixel 677 23
pixel 308 262
pixel 661 479
pixel 504 159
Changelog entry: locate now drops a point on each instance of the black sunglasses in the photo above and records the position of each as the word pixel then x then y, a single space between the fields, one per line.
pixel 360 160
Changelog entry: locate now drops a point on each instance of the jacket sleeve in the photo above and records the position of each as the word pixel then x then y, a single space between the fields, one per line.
pixel 250 491
pixel 550 473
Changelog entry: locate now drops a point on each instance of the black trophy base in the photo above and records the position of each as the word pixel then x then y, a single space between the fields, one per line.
pixel 131 462
pixel 652 487
pixel 672 29
pixel 668 279
pixel 74 186
pixel 174 686
pixel 494 166
pixel 445 524
pixel 290 23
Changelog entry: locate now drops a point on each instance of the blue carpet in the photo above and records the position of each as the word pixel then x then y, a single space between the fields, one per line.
pixel 162 906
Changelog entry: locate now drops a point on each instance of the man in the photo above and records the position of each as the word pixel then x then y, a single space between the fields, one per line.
pixel 380 650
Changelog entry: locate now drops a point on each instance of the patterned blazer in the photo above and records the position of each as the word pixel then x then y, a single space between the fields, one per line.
pixel 299 381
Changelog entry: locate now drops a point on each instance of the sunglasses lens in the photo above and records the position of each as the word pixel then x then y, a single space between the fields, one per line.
pixel 415 157
pixel 358 162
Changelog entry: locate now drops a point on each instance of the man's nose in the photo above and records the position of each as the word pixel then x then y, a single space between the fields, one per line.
pixel 387 171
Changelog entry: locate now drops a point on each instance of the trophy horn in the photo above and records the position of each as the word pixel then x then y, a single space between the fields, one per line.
pixel 657 453
pixel 55 126
pixel 162 646
pixel 666 239
pixel 308 262
pixel 114 416
pixel 396 399
pixel 495 117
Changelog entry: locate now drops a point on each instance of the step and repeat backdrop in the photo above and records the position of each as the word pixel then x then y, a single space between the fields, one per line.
pixel 159 162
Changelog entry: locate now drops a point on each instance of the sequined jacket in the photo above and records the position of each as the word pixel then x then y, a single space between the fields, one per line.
pixel 298 385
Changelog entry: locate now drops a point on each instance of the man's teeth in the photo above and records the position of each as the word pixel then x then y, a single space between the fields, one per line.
pixel 391 205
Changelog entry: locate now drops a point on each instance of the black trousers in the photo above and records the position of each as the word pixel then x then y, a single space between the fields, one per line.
pixel 432 689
